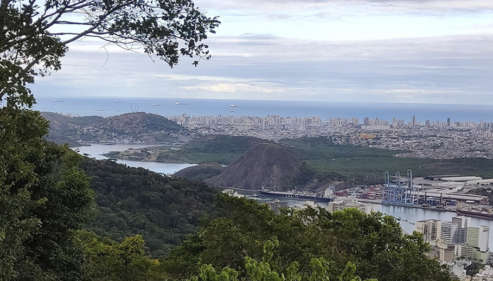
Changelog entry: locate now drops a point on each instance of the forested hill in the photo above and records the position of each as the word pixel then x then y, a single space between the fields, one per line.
pixel 130 127
pixel 133 201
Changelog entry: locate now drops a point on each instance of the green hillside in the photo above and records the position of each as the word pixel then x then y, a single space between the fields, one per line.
pixel 206 149
pixel 133 201
pixel 367 165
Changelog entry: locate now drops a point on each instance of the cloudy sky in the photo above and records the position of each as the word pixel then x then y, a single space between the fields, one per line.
pixel 407 51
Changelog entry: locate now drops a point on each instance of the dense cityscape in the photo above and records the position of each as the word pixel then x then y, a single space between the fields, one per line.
pixel 428 139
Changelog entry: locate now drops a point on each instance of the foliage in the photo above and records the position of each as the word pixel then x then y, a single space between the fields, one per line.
pixel 253 270
pixel 137 201
pixel 367 165
pixel 218 149
pixel 200 172
pixel 341 246
pixel 473 268
pixel 108 260
pixel 44 197
pixel 35 34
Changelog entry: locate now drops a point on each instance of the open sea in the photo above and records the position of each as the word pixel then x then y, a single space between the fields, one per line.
pixel 324 110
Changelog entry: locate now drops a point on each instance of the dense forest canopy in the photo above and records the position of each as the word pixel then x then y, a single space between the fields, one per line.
pixel 132 201
pixel 298 245
pixel 45 197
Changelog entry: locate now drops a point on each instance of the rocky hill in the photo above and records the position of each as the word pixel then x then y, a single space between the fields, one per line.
pixel 138 127
pixel 200 172
pixel 265 165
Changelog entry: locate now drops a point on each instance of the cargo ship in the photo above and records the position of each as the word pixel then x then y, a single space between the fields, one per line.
pixel 291 195
pixel 475 214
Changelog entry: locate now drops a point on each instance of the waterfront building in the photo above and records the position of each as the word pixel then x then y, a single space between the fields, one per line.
pixel 484 238
pixel 449 233
pixel 446 253
pixel 454 239
pixel 472 237
pixel 344 203
pixel 462 223
pixel 431 230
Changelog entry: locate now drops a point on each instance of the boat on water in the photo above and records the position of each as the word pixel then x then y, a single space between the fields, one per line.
pixel 475 214
pixel 280 194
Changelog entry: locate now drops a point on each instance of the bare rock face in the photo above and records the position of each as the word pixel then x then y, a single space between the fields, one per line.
pixel 265 165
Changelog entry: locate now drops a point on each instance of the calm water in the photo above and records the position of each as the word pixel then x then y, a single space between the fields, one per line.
pixel 97 150
pixel 325 110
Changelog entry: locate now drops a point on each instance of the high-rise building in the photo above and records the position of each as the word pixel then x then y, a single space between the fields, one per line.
pixel 431 230
pixel 459 237
pixel 484 234
pixel 472 237
pixel 449 231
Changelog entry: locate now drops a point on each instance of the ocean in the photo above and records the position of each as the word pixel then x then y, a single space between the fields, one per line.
pixel 324 110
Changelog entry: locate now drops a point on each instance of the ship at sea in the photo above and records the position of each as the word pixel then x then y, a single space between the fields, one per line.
pixel 475 213
pixel 294 195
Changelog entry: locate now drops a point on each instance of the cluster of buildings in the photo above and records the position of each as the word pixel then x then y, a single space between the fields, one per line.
pixel 341 203
pixel 430 139
pixel 456 239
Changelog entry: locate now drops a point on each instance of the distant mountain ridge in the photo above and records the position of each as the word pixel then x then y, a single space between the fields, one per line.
pixel 138 127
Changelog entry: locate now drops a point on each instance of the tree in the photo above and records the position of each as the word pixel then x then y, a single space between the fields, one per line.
pixel 253 270
pixel 44 195
pixel 310 244
pixel 112 261
pixel 35 34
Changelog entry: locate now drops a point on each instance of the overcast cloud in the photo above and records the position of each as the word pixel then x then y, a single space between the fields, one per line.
pixel 351 50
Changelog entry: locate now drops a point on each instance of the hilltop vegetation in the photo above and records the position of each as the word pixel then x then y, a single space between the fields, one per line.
pixel 250 242
pixel 206 149
pixel 320 162
pixel 200 172
pixel 132 201
pixel 136 127
pixel 367 165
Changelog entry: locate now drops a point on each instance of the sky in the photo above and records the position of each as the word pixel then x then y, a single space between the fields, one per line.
pixel 365 51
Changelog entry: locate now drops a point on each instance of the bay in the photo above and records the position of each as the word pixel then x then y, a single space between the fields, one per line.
pixel 323 109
